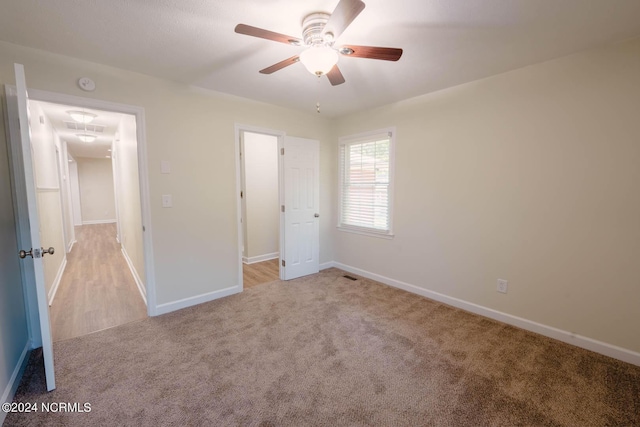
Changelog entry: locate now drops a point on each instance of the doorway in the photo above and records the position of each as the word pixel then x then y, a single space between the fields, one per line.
pixel 95 280
pixel 260 205
pixel 298 208
pixel 55 184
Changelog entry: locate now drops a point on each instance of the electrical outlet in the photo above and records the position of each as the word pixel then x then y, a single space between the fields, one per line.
pixel 503 286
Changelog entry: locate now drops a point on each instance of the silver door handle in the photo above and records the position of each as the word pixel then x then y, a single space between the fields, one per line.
pixel 23 254
pixel 317 215
pixel 49 251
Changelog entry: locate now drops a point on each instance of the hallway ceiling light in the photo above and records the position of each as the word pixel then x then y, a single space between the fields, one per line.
pixel 85 137
pixel 82 116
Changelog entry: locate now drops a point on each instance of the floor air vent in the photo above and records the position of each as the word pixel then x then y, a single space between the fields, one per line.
pixel 346 276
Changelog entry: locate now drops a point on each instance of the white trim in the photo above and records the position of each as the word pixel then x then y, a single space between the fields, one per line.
pixel 14 381
pixel 73 242
pixel 364 232
pixel 587 343
pixel 47 189
pixel 326 265
pixel 358 139
pixel 198 299
pixel 135 274
pixel 260 258
pixel 57 280
pixel 99 221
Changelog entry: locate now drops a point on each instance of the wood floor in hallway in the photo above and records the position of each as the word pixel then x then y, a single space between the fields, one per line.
pixel 260 272
pixel 97 290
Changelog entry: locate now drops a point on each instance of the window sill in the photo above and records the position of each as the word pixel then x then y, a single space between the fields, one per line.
pixel 388 236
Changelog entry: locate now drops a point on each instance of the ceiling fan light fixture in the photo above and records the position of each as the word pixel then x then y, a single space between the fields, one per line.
pixel 82 116
pixel 319 60
pixel 85 137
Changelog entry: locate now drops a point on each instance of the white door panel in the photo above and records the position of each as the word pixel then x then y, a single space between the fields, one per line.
pixel 301 200
pixel 20 114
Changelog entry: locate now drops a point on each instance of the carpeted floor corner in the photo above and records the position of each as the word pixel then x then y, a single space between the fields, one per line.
pixel 327 351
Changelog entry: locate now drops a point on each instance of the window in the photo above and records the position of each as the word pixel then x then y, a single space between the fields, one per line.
pixel 366 178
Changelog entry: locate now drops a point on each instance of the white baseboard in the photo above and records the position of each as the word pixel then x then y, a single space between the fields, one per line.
pixel 57 280
pixel 326 265
pixel 14 381
pixel 260 258
pixel 73 242
pixel 198 299
pixel 99 221
pixel 136 276
pixel 596 346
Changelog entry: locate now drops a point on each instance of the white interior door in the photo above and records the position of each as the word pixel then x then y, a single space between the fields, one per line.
pixel 31 242
pixel 301 166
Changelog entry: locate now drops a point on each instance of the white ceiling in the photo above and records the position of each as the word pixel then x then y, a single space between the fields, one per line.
pixel 445 42
pixel 59 117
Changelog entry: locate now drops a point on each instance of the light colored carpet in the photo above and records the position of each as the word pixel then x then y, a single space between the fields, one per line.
pixel 327 351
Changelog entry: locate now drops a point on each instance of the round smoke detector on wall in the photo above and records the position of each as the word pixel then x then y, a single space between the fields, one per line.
pixel 86 84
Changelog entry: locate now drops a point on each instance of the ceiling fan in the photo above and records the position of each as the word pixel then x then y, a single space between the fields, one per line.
pixel 319 33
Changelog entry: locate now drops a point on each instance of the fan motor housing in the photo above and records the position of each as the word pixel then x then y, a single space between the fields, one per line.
pixel 313 28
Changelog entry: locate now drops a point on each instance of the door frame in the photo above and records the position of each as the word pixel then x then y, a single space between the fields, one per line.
pixel 145 204
pixel 239 130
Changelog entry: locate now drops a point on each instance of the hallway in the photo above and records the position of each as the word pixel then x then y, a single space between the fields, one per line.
pixel 97 290
pixel 260 273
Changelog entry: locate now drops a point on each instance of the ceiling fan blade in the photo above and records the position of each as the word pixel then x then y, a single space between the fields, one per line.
pixel 335 76
pixel 371 52
pixel 266 34
pixel 280 65
pixel 344 14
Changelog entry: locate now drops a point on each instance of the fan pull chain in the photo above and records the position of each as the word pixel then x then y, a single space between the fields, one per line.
pixel 318 96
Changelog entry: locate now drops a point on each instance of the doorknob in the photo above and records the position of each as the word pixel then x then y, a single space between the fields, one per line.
pixel 37 253
pixel 23 254
pixel 317 215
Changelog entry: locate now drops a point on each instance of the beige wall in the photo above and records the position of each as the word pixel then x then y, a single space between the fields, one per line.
pixel 262 220
pixel 530 176
pixel 97 198
pixel 65 188
pixel 125 163
pixel 74 189
pixel 44 141
pixel 195 243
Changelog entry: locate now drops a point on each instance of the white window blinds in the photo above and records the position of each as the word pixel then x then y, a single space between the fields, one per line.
pixel 365 183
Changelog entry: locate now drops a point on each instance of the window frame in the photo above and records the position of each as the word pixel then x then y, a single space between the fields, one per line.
pixel 363 138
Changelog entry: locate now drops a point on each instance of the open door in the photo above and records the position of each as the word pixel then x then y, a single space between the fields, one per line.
pixel 301 166
pixel 32 251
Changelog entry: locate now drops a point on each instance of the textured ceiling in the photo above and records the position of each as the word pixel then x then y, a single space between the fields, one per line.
pixel 445 42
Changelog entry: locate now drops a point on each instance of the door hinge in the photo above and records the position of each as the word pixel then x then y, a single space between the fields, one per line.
pixel 282 208
pixel 284 264
pixel 282 151
pixel 241 194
